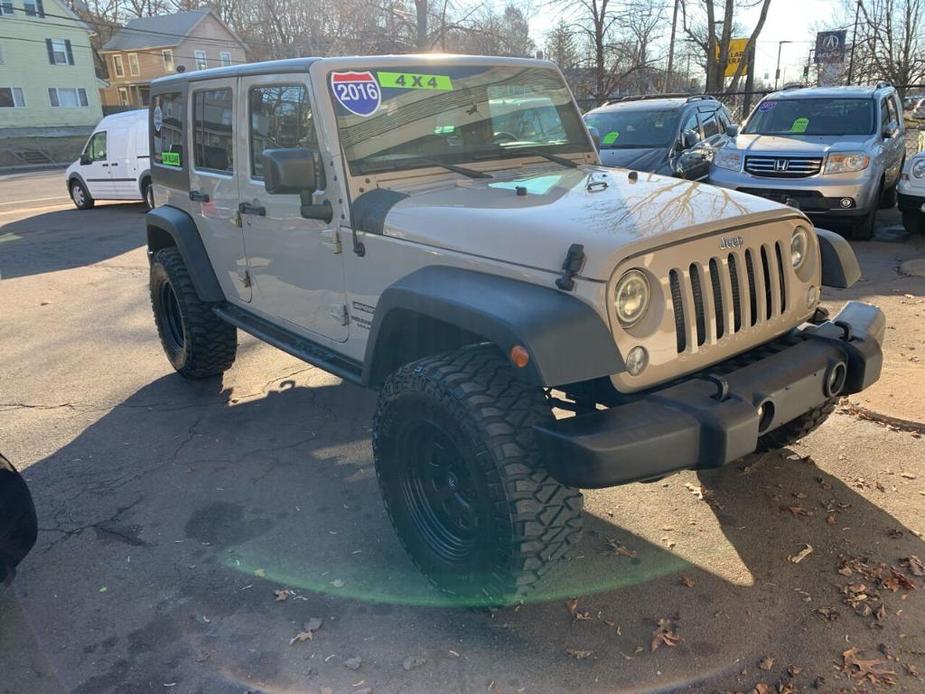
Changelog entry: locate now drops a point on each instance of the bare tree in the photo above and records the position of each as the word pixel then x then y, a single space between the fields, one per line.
pixel 891 42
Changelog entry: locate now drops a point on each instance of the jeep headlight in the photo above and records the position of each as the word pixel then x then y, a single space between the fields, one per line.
pixel 631 297
pixel 799 243
pixel 918 169
pixel 846 162
pixel 728 159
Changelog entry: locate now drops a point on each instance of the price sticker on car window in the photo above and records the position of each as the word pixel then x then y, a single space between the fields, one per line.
pixel 170 159
pixel 610 137
pixel 799 125
pixel 410 80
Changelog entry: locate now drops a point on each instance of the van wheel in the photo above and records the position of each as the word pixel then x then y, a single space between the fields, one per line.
pixel 198 343
pixel 914 221
pixel 147 192
pixel 81 196
pixel 462 478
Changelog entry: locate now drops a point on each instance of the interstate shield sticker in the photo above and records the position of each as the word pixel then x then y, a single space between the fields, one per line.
pixel 358 92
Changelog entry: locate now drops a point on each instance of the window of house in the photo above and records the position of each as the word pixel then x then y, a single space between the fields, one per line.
pixel 67 97
pixel 201 60
pixel 6 7
pixel 280 116
pixel 226 58
pixel 123 96
pixel 11 97
pixel 96 147
pixel 167 55
pixel 59 52
pixel 118 67
pixel 212 134
pixel 133 67
pixel 167 118
pixel 33 8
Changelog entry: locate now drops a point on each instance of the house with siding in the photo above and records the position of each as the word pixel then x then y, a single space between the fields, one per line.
pixel 49 91
pixel 150 47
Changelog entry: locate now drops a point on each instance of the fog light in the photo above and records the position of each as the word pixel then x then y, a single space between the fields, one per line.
pixel 812 296
pixel 637 360
pixel 846 203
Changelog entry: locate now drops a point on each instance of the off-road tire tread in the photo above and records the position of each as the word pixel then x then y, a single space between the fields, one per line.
pixel 212 343
pixel 799 428
pixel 477 386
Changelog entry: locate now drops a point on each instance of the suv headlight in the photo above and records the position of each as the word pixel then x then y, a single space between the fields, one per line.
pixel 631 297
pixel 918 169
pixel 846 162
pixel 728 159
pixel 799 243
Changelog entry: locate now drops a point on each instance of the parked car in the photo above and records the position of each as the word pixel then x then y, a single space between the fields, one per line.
pixel 479 282
pixel 114 164
pixel 918 110
pixel 833 152
pixel 911 194
pixel 18 525
pixel 674 135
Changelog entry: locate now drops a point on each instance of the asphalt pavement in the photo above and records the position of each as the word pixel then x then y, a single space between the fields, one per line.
pixel 190 531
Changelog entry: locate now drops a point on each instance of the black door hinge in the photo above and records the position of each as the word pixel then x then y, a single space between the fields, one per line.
pixel 571 266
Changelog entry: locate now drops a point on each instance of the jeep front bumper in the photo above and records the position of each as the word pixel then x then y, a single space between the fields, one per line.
pixel 716 417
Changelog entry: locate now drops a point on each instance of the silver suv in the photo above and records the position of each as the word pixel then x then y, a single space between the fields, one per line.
pixel 835 153
pixel 406 223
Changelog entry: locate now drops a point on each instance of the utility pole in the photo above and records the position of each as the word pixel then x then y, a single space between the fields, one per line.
pixel 674 24
pixel 854 40
pixel 780 45
pixel 749 84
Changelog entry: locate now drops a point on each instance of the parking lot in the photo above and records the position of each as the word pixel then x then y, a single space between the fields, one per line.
pixel 189 531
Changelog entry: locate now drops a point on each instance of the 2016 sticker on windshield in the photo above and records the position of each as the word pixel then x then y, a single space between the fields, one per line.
pixel 358 92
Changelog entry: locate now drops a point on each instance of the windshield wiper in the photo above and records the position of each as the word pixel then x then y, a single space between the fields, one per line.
pixel 545 155
pixel 471 173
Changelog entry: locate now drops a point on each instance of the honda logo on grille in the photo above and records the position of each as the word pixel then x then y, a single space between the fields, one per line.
pixel 781 164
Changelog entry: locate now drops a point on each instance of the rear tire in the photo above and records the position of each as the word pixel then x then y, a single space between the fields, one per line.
pixel 863 228
pixel 462 479
pixel 793 431
pixel 80 195
pixel 914 221
pixel 198 343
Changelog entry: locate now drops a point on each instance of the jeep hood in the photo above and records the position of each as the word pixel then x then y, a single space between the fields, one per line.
pixel 810 145
pixel 603 209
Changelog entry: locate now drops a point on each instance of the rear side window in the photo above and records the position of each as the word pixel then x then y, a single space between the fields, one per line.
pixel 280 117
pixel 168 114
pixel 213 143
pixel 710 124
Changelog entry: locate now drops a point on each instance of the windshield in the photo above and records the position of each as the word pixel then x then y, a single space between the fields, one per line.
pixel 390 120
pixel 634 128
pixel 812 117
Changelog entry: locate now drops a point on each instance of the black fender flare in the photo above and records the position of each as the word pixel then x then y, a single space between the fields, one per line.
pixel 169 226
pixel 840 268
pixel 438 308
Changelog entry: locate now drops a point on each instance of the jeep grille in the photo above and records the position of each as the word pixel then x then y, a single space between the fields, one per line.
pixel 783 167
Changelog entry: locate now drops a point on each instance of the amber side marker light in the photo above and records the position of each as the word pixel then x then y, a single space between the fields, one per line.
pixel 520 357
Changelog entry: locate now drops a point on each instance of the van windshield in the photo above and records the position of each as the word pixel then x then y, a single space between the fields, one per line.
pixel 812 117
pixel 399 118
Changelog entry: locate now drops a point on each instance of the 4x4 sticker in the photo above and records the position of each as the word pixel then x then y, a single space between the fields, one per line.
pixel 410 80
pixel 358 92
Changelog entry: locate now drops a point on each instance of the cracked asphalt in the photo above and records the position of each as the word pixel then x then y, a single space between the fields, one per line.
pixel 171 511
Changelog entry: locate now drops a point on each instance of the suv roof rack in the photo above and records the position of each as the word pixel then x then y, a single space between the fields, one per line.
pixel 793 85
pixel 883 83
pixel 646 97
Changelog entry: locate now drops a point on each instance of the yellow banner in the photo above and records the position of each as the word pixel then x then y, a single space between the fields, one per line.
pixel 736 55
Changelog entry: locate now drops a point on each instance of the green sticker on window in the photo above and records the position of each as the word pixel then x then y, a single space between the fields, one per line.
pixel 799 125
pixel 170 158
pixel 408 80
pixel 610 137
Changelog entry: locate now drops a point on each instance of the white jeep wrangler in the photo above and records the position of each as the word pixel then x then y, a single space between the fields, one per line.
pixel 440 229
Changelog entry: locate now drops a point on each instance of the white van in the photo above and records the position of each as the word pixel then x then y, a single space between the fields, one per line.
pixel 114 164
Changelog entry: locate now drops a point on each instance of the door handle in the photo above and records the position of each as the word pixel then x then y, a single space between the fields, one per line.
pixel 200 197
pixel 115 163
pixel 247 208
pixel 104 164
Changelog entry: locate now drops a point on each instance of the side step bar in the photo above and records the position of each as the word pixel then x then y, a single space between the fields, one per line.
pixel 296 345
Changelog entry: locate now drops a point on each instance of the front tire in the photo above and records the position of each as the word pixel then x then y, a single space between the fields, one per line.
pixel 863 228
pixel 80 195
pixel 198 343
pixel 799 428
pixel 462 480
pixel 914 221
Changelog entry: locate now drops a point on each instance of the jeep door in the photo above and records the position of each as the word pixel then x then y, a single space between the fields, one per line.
pixel 295 263
pixel 213 188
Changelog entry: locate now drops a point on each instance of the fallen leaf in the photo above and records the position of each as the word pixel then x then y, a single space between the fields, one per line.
pixel 694 489
pixel 664 634
pixel 353 663
pixel 308 630
pixel 260 573
pixel 828 613
pixel 860 669
pixel 282 594
pixel 578 654
pixel 802 554
pixel 572 606
pixel 797 511
pixel 620 549
pixel 337 583
pixel 793 670
pixel 687 581
pixel 766 663
pixel 413 661
pixel 913 565
pixel 761 688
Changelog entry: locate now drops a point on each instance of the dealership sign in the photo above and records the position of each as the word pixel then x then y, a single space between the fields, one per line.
pixel 830 46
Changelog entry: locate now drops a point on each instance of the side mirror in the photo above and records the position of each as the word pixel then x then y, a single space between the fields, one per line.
pixel 289 171
pixel 85 159
pixel 732 130
pixel 595 136
pixel 689 139
pixel 890 131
